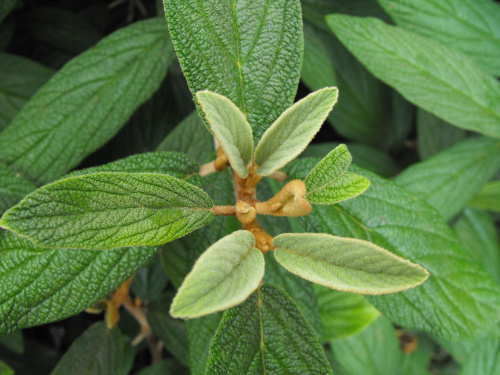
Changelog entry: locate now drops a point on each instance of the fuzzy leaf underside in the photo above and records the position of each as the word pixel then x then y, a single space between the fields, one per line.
pixel 110 210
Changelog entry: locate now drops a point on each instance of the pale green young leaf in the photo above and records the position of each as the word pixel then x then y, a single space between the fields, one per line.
pixel 87 101
pixel 230 127
pixel 267 334
pixel 343 314
pixel 488 198
pixel 110 210
pixel 13 187
pixel 39 286
pixel 20 78
pixel 250 51
pixel 99 351
pixel 293 130
pixel 470 26
pixel 449 179
pixel 329 182
pixel 223 277
pixel 431 75
pixel 346 264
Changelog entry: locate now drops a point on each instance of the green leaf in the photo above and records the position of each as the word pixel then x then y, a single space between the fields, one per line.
pixel 488 198
pixel 267 334
pixel 470 26
pixel 13 187
pixel 149 281
pixel 201 332
pixel 230 128
pixel 98 350
pixel 418 361
pixel 373 351
pixel 330 183
pixel 14 342
pixel 484 359
pixel 459 299
pixel 429 74
pixel 5 7
pixel 39 286
pixel 346 264
pixel 86 102
pixel 343 314
pixel 435 135
pixel 20 78
pixel 449 179
pixel 7 30
pixel 249 51
pixel 166 367
pixel 224 276
pixel 110 210
pixel 5 369
pixel 293 130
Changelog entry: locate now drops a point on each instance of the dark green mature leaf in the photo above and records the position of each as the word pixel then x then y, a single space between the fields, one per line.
pixel 166 367
pixel 5 369
pixel 470 26
pixel 149 281
pixel 458 300
pixel 484 358
pixel 435 135
pixel 5 7
pixel 14 342
pixel 267 334
pixel 13 187
pixel 6 33
pixel 249 51
pixel 98 350
pixel 87 101
pixel 488 198
pixel 110 210
pixel 449 179
pixel 20 78
pixel 201 332
pixel 39 286
pixel 429 74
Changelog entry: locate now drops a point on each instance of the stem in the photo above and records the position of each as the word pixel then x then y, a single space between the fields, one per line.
pixel 224 210
pixel 207 169
pixel 279 176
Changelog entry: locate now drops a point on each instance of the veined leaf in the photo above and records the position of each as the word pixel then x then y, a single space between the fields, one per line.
pixel 346 264
pixel 230 127
pixel 329 182
pixel 449 179
pixel 20 78
pixel 201 332
pixel 458 300
pixel 429 74
pixel 470 26
pixel 223 277
pixel 293 130
pixel 267 334
pixel 39 286
pixel 13 187
pixel 488 198
pixel 86 102
pixel 484 357
pixel 110 209
pixel 249 51
pixel 98 350
pixel 343 314
pixel 150 281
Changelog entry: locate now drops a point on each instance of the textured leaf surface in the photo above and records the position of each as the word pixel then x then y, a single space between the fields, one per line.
pixel 458 300
pixel 223 277
pixel 449 179
pixel 201 332
pixel 249 51
pixel 484 357
pixel 488 198
pixel 293 130
pixel 150 281
pixel 98 350
pixel 346 264
pixel 329 182
pixel 471 26
pixel 20 78
pixel 39 286
pixel 267 334
pixel 13 187
pixel 110 209
pixel 231 129
pixel 343 314
pixel 427 73
pixel 87 101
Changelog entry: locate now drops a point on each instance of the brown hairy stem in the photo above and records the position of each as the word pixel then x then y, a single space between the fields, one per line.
pixel 224 210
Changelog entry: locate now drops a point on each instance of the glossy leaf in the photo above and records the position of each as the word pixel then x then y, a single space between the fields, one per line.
pixel 110 209
pixel 488 198
pixel 449 179
pixel 346 264
pixel 223 277
pixel 343 314
pixel 13 187
pixel 267 334
pixel 293 130
pixel 249 51
pixel 329 182
pixel 470 26
pixel 231 129
pixel 86 102
pixel 428 74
